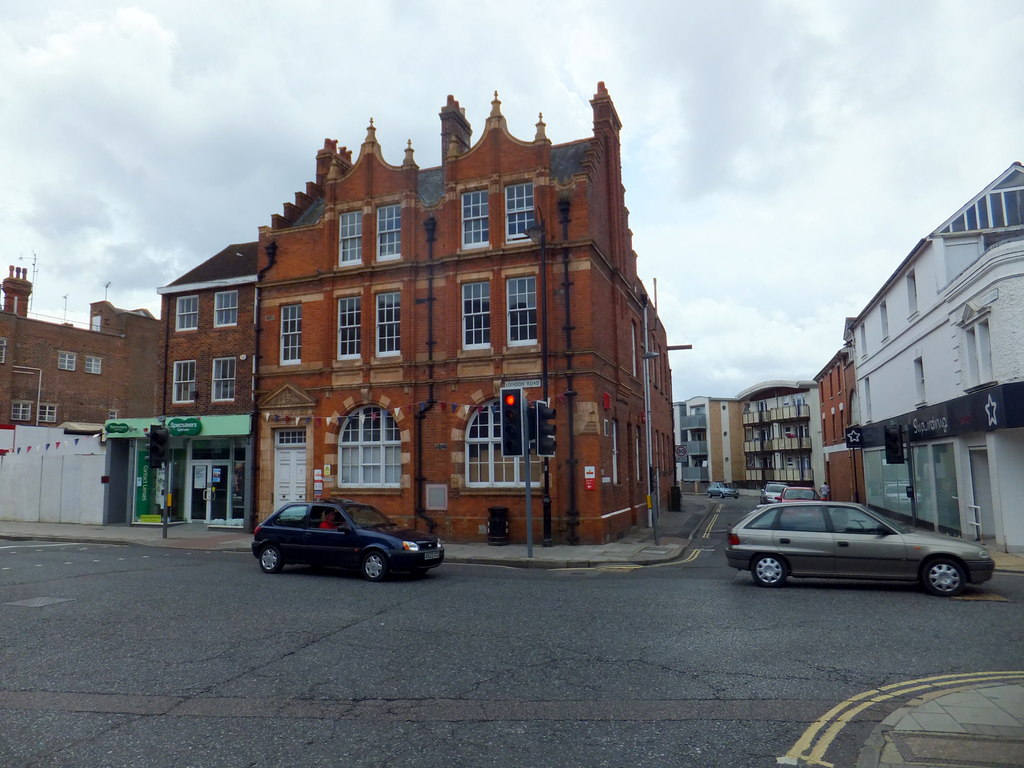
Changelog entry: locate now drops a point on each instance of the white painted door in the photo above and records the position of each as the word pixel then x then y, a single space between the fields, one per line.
pixel 289 466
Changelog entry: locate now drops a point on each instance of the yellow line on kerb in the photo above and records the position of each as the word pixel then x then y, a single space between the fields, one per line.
pixel 809 749
pixel 707 528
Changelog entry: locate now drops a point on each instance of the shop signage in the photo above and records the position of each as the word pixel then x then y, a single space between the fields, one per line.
pixel 184 427
pixel 118 427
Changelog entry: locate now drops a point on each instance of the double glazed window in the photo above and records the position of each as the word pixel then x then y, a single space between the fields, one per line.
pixel 225 305
pixel 184 385
pixel 485 464
pixel 3 350
pixel 518 210
pixel 21 410
pixel 474 219
pixel 187 315
pixel 370 449
pixel 93 364
pixel 291 334
pixel 48 413
pixel 389 323
pixel 476 315
pixel 389 234
pixel 66 361
pixel 350 237
pixel 350 317
pixel 522 310
pixel 224 378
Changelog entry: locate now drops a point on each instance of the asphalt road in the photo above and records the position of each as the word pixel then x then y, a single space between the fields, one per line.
pixel 130 656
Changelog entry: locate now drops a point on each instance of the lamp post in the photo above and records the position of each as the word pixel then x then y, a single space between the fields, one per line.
pixel 28 370
pixel 537 232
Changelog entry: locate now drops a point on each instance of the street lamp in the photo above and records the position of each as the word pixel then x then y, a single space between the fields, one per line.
pixel 537 232
pixel 28 370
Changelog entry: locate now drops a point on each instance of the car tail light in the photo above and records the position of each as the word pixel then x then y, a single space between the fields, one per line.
pixel 257 531
pixel 734 540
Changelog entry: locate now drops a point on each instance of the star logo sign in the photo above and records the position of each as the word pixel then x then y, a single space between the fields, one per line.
pixel 853 437
pixel 990 411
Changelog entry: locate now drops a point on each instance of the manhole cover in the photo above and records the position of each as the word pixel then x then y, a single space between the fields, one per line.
pixel 39 602
pixel 951 749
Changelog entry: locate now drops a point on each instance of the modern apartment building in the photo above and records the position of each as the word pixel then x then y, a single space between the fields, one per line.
pixel 940 374
pixel 781 439
pixel 709 442
pixel 396 302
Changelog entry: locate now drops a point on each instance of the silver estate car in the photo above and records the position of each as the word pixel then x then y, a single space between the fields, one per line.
pixel 848 541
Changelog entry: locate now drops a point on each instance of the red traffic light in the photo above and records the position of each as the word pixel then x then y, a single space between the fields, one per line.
pixel 511 398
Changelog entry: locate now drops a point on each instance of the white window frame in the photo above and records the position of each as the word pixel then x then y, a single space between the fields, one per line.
pixel 476 315
pixel 911 293
pixel 370 450
pixel 389 232
pixel 521 303
pixel 350 238
pixel 186 314
pixel 475 221
pixel 183 385
pixel 389 323
pixel 919 381
pixel 21 410
pixel 350 321
pixel 291 334
pixel 485 466
pixel 67 361
pixel 883 317
pixel 47 413
pixel 225 309
pixel 978 350
pixel 3 350
pixel 93 364
pixel 223 379
pixel 519 210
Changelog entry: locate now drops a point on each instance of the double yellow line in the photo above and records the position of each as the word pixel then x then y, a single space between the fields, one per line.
pixel 810 748
pixel 705 533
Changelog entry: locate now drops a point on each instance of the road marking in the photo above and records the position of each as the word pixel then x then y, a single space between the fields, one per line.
pixel 707 528
pixel 810 748
pixel 22 546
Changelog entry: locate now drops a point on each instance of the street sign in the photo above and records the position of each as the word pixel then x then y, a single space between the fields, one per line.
pixel 680 451
pixel 522 384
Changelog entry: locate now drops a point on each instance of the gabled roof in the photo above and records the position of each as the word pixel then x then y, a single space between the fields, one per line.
pixel 233 264
pixel 998 206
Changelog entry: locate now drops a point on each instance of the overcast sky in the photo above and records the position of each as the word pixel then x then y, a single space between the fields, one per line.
pixel 780 158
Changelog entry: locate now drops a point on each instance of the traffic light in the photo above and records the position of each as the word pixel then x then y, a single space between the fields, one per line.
pixel 513 418
pixel 158 437
pixel 894 445
pixel 544 431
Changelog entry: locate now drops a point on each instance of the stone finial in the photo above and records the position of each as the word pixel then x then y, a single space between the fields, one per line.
pixel 496 106
pixel 495 119
pixel 410 161
pixel 371 134
pixel 541 125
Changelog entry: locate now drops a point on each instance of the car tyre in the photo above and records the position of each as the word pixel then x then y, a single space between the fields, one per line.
pixel 769 571
pixel 375 565
pixel 943 577
pixel 270 559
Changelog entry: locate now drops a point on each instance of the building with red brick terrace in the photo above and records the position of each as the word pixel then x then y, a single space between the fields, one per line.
pixel 395 302
pixel 57 373
pixel 837 382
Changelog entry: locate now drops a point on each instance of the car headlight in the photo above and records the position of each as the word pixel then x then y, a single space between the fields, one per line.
pixel 440 544
pixel 410 546
pixel 984 555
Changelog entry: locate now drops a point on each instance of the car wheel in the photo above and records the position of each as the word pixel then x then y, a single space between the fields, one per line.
pixel 709 494
pixel 769 571
pixel 270 559
pixel 942 577
pixel 375 565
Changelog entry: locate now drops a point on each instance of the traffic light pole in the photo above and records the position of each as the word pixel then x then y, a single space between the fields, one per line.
pixel 529 506
pixel 161 484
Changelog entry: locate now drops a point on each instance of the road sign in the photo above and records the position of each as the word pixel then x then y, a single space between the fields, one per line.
pixel 522 384
pixel 680 451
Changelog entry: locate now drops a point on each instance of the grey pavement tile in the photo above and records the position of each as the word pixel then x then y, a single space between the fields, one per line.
pixel 940 722
pixel 980 715
pixel 908 723
pixel 964 699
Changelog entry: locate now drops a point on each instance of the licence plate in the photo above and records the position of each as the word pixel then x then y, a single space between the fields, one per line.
pixel 434 555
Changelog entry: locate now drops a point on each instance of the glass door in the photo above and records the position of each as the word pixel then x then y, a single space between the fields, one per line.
pixel 210 493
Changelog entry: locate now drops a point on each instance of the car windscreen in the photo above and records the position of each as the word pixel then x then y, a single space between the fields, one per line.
pixel 366 516
pixel 774 487
pixel 799 493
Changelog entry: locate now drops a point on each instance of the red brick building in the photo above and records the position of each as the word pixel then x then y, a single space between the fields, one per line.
pixel 395 302
pixel 54 373
pixel 844 469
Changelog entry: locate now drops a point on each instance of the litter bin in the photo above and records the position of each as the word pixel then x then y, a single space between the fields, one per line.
pixel 497 526
pixel 675 499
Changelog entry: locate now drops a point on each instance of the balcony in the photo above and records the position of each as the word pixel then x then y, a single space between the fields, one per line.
pixel 780 475
pixel 699 421
pixel 777 444
pixel 780 413
pixel 693 474
pixel 696 447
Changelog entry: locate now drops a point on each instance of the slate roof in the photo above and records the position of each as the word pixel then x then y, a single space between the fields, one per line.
pixel 236 260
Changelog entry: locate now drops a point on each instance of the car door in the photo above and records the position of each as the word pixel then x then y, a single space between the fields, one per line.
pixel 289 532
pixel 867 547
pixel 802 536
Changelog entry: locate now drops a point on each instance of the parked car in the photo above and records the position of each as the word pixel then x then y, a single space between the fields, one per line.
pixel 848 541
pixel 722 490
pixel 770 493
pixel 794 493
pixel 344 534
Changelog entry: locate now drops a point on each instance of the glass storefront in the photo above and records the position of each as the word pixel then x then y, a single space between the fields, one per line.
pixel 935 483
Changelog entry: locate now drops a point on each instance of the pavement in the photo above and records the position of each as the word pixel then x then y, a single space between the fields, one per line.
pixel 976 724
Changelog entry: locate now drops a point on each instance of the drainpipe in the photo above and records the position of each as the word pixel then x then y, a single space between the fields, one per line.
pixel 430 225
pixel 573 511
pixel 271 250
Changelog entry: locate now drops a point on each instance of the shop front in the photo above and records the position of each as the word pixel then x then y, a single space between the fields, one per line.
pixel 208 472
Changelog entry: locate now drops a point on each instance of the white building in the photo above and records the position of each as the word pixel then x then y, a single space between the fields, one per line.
pixel 940 363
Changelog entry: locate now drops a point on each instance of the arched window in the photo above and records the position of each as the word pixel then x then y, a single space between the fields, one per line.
pixel 485 464
pixel 369 449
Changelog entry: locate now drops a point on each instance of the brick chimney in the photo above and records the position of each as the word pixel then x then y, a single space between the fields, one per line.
pixel 455 129
pixel 17 289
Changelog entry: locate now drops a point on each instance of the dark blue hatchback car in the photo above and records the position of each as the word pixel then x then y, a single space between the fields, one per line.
pixel 344 534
